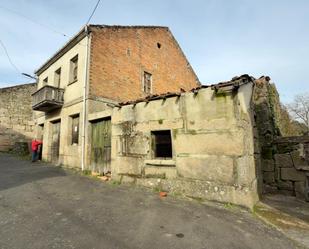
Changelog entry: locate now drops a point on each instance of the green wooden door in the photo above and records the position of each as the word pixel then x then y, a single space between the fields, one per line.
pixel 101 146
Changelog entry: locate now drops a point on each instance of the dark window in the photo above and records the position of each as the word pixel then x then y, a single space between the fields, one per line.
pixel 73 69
pixel 45 81
pixel 41 131
pixel 162 144
pixel 75 129
pixel 147 82
pixel 306 152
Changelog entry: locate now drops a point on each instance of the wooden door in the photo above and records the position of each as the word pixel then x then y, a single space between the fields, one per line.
pixel 101 146
pixel 55 142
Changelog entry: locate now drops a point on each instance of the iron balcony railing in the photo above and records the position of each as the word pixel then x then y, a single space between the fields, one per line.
pixel 47 98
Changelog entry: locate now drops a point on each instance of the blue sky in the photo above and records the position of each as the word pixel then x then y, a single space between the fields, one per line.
pixel 221 38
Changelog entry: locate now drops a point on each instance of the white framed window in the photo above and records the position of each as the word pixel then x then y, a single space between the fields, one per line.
pixel 45 81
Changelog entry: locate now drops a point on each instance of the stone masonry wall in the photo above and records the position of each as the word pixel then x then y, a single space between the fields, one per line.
pixel 283 159
pixel 212 143
pixel 292 165
pixel 120 55
pixel 266 132
pixel 16 125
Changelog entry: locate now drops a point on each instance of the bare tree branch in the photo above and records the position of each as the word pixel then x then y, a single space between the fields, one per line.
pixel 299 109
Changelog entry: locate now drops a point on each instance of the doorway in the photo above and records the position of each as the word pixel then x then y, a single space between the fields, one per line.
pixel 40 137
pixel 55 142
pixel 101 146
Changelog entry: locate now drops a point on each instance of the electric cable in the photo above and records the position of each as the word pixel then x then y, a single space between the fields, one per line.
pixel 95 8
pixel 33 21
pixel 9 58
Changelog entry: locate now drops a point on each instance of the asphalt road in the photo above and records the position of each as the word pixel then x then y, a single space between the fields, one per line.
pixel 42 206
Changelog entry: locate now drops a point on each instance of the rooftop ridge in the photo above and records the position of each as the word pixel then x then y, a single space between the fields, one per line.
pixel 235 82
pixel 19 85
pixel 127 26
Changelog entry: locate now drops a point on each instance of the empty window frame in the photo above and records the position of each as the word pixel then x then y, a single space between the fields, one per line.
pixel 73 69
pixel 58 77
pixel 45 81
pixel 75 129
pixel 162 144
pixel 147 83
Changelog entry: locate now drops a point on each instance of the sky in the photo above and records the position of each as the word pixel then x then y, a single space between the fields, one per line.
pixel 221 38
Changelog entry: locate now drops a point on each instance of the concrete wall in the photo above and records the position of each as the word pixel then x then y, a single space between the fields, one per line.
pixel 16 124
pixel 212 140
pixel 120 55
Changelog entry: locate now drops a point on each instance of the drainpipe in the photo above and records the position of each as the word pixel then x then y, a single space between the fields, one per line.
pixel 85 88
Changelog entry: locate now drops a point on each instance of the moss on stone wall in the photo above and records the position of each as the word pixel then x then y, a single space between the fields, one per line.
pixel 283 123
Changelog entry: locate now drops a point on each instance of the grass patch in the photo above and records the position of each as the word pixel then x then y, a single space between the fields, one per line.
pixel 177 194
pixel 199 199
pixel 86 172
pixel 229 205
pixel 157 189
pixel 115 183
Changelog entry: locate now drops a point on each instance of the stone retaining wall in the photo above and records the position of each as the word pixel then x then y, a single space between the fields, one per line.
pixel 291 171
pixel 284 159
pixel 16 124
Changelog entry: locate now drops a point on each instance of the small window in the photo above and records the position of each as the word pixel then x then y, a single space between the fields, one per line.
pixel 75 129
pixel 73 69
pixel 147 82
pixel 58 77
pixel 45 81
pixel 162 144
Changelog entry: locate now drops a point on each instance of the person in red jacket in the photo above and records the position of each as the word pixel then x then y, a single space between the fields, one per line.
pixel 34 148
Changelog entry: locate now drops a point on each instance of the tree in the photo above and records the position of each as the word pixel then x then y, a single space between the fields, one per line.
pixel 287 125
pixel 299 109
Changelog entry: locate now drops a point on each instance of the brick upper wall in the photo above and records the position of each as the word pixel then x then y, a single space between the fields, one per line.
pixel 120 55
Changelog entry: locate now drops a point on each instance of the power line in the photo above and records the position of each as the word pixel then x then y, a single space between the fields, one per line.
pixel 95 8
pixel 40 24
pixel 11 62
pixel 33 21
pixel 9 58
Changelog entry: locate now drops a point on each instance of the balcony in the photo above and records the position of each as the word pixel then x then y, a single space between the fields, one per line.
pixel 47 98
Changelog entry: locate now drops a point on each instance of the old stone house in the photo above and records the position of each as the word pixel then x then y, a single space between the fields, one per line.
pixel 16 117
pixel 220 142
pixel 99 67
pixel 199 143
pixel 125 100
